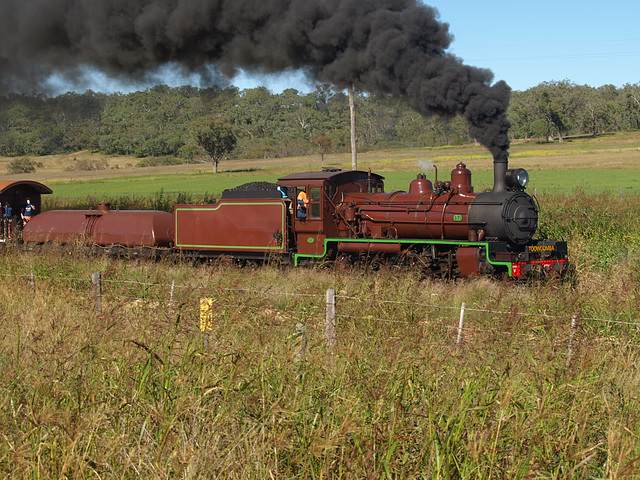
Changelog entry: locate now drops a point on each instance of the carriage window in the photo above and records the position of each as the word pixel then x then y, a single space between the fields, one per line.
pixel 314 202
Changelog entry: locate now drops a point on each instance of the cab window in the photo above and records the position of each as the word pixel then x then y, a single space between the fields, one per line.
pixel 314 202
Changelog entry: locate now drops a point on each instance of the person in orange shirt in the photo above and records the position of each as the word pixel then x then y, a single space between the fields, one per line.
pixel 303 202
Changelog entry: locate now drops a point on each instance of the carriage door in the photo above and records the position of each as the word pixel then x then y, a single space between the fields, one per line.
pixel 310 230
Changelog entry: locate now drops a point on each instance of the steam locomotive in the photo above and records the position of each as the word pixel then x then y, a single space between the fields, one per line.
pixel 443 228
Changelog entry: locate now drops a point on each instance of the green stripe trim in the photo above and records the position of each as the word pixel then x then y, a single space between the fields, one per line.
pixel 230 247
pixel 328 241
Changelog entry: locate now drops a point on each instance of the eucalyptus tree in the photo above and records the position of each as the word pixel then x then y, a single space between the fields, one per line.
pixel 553 106
pixel 631 95
pixel 218 141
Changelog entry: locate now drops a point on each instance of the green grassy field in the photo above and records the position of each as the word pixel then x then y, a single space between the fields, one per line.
pixel 601 164
pixel 545 181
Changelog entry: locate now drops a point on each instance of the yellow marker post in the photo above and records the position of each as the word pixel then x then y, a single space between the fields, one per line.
pixel 206 315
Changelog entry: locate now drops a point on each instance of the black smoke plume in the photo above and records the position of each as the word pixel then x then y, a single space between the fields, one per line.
pixel 395 47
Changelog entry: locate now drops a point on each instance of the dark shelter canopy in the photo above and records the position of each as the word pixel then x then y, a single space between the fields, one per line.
pixel 16 193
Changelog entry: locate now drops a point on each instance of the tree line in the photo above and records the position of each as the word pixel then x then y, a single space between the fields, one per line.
pixel 163 125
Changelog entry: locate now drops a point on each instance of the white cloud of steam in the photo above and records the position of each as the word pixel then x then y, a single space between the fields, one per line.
pixel 426 165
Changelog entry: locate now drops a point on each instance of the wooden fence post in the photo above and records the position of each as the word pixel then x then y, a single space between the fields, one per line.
pixel 173 287
pixel 96 289
pixel 460 325
pixel 572 335
pixel 302 345
pixel 330 329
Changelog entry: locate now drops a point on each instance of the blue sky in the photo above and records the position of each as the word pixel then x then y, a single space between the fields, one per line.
pixel 523 43
pixel 527 43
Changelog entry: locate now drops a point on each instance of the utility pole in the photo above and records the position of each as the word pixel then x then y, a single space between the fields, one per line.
pixel 354 159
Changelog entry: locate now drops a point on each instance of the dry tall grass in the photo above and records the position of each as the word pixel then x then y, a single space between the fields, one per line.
pixel 132 391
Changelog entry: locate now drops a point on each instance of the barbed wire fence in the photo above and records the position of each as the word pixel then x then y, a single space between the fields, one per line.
pixel 201 298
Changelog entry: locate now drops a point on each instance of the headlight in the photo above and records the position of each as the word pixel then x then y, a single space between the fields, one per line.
pixel 517 178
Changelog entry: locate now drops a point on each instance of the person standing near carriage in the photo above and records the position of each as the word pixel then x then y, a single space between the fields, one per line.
pixel 7 221
pixel 27 212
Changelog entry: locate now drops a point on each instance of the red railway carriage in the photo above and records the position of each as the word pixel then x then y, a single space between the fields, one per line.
pixel 105 227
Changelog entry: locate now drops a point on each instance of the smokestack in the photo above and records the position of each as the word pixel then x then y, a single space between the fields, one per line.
pixel 392 47
pixel 500 165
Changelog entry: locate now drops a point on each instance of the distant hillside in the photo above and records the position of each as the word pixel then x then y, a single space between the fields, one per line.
pixel 159 126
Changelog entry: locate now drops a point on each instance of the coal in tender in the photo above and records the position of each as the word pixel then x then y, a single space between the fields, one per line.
pixel 253 190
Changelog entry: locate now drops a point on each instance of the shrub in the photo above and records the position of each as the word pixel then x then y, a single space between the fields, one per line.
pixel 21 165
pixel 188 152
pixel 260 150
pixel 159 161
pixel 89 164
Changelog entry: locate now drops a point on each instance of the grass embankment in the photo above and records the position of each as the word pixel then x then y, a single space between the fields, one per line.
pixel 130 392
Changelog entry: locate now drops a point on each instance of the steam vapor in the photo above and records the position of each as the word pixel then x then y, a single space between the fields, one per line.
pixel 426 165
pixel 395 47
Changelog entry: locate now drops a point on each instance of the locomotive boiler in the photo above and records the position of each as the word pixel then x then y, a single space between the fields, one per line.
pixel 442 228
pixel 448 210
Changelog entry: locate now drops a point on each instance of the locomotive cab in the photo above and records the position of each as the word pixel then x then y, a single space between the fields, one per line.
pixel 324 190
